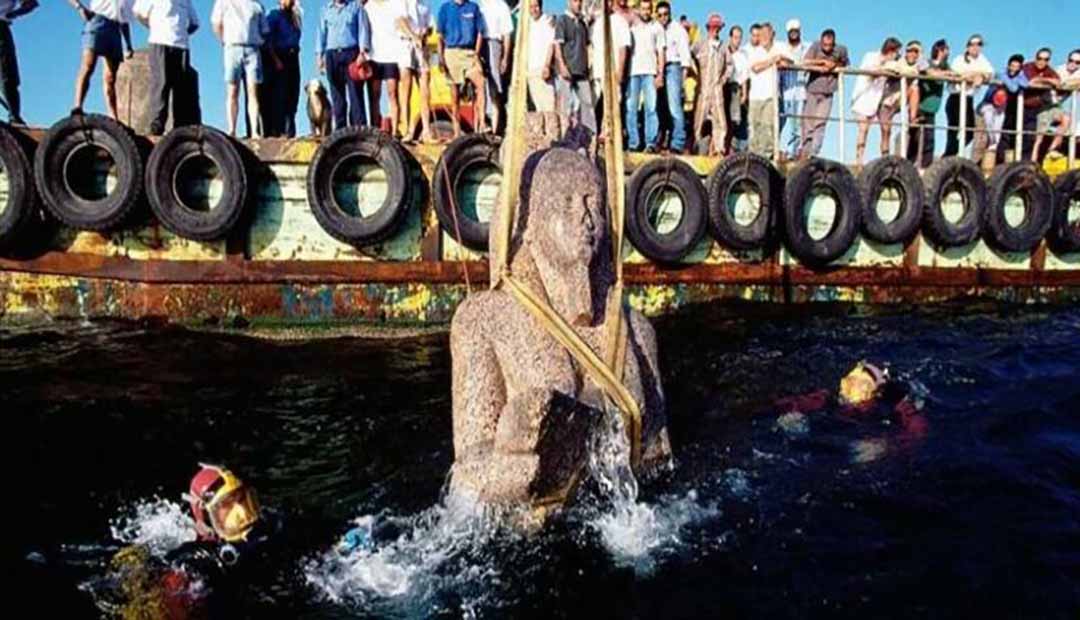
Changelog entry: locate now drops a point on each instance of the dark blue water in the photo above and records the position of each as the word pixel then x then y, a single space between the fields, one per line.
pixel 973 510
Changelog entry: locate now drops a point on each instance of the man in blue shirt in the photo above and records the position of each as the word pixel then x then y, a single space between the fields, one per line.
pixel 9 65
pixel 283 76
pixel 461 29
pixel 344 38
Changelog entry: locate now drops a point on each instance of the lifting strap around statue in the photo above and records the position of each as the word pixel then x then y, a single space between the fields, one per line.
pixel 606 372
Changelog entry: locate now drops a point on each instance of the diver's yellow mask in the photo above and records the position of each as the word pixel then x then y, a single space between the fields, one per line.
pixel 861 385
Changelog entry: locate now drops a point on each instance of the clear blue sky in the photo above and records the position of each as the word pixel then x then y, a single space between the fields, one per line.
pixel 49 39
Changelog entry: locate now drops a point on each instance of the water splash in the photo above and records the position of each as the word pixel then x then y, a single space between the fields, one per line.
pixel 161 525
pixel 632 531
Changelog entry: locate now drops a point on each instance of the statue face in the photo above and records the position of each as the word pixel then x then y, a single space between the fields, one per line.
pixel 567 230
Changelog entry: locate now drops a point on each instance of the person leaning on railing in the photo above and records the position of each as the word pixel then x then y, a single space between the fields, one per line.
pixel 792 93
pixel 822 60
pixel 975 70
pixel 1070 79
pixel 931 91
pixel 1046 104
pixel 993 110
pixel 9 64
pixel 764 61
pixel 868 100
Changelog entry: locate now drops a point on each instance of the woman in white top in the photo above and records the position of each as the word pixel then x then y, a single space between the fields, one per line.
pixel 414 30
pixel 388 52
pixel 866 101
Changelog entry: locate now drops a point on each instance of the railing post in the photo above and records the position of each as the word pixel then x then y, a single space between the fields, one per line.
pixel 1018 143
pixel 904 123
pixel 843 122
pixel 963 118
pixel 1072 136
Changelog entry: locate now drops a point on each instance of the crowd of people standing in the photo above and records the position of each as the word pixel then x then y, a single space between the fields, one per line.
pixel 682 90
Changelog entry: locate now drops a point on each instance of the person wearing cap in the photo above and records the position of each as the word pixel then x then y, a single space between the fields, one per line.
pixel 822 59
pixel 792 93
pixel 1045 104
pixel 765 61
pixel 975 70
pixel 921 143
pixel 990 119
pixel 649 46
pixel 496 53
pixel 909 66
pixel 867 98
pixel 678 63
pixel 344 37
pixel 11 10
pixel 106 35
pixel 461 37
pixel 572 62
pixel 241 27
pixel 714 67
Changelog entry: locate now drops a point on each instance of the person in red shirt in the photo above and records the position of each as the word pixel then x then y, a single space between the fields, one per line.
pixel 1044 102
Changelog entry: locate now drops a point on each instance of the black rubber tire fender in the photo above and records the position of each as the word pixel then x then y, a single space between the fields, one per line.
pixel 804 179
pixel 54 155
pixel 463 153
pixel 373 145
pixel 658 175
pixel 953 173
pixel 163 176
pixel 765 180
pixel 17 212
pixel 901 174
pixel 1064 235
pixel 1031 184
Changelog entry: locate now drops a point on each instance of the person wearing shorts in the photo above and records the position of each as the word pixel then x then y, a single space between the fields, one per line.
pixel 415 68
pixel 1045 103
pixel 106 34
pixel 461 29
pixel 388 50
pixel 241 26
pixel 868 102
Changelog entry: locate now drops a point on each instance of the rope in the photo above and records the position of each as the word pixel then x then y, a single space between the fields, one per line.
pixel 607 372
pixel 457 229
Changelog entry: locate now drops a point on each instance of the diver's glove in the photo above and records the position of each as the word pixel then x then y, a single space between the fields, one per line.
pixel 359 538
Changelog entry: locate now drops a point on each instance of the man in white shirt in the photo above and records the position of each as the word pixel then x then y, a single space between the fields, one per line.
pixel 495 58
pixel 677 65
pixel 415 30
pixel 764 83
pixel 620 39
pixel 975 70
pixel 737 92
pixel 9 64
pixel 793 93
pixel 106 34
pixel 1070 76
pixel 646 77
pixel 240 25
pixel 171 22
pixel 541 53
pixel 388 52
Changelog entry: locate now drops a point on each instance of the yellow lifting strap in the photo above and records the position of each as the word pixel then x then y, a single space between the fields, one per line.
pixel 606 373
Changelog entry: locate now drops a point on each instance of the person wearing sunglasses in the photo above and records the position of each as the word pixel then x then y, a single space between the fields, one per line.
pixel 1070 78
pixel 975 70
pixel 1043 103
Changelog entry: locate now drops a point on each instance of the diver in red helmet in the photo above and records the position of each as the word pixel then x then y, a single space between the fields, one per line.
pixel 236 543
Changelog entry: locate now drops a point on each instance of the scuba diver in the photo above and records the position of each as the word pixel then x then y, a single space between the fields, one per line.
pixel 235 544
pixel 867 392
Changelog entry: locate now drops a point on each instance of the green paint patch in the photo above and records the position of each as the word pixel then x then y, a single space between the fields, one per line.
pixel 360 186
pixel 820 211
pixel 665 209
pixel 198 183
pixel 478 192
pixel 744 204
pixel 90 172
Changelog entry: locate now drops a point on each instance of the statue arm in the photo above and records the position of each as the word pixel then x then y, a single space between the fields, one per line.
pixel 479 392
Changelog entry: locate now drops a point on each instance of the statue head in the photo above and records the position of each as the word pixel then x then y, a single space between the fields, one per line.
pixel 566 233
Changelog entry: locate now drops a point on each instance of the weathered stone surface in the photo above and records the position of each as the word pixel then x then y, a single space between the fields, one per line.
pixel 521 405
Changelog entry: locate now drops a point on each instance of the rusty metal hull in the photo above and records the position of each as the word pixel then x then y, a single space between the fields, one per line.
pixel 281 266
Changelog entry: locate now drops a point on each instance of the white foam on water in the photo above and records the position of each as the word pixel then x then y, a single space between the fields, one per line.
pixel 632 531
pixel 793 424
pixel 160 524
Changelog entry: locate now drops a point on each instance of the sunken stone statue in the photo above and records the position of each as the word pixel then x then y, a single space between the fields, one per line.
pixel 523 410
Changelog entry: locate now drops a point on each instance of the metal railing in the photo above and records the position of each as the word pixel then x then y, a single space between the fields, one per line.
pixel 905 123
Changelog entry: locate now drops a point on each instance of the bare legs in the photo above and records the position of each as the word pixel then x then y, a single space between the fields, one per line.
pixel 87 65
